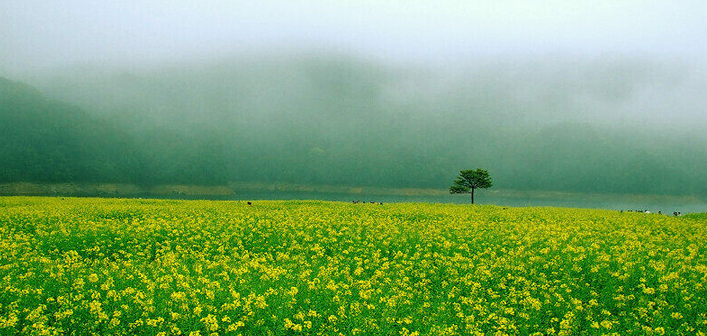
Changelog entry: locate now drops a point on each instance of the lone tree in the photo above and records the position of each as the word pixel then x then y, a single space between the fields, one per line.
pixel 468 180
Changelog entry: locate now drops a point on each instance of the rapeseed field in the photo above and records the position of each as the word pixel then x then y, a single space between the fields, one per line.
pixel 159 267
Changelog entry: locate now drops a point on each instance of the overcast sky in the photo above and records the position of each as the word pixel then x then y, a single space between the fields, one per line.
pixel 49 33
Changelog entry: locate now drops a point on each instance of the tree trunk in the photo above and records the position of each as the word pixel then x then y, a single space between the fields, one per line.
pixel 472 195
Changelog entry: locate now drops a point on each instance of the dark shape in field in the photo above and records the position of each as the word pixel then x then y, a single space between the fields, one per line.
pixel 364 202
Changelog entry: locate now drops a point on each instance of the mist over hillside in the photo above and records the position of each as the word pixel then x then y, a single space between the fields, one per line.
pixel 49 141
pixel 617 125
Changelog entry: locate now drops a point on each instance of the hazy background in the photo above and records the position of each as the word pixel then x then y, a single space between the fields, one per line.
pixel 40 33
pixel 582 96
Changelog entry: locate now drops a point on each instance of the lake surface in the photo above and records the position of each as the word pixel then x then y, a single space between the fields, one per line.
pixel 666 204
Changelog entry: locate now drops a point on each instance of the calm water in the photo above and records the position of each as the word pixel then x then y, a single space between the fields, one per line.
pixel 653 203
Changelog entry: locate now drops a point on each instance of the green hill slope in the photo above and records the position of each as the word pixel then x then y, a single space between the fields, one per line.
pixel 49 141
pixel 346 122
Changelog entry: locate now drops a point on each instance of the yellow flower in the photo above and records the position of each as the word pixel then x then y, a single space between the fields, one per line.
pixel 211 322
pixel 607 324
pixel 93 277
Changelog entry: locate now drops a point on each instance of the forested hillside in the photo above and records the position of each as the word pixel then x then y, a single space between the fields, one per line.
pixel 350 122
pixel 48 141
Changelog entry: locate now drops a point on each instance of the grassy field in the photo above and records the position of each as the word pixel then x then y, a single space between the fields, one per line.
pixel 157 267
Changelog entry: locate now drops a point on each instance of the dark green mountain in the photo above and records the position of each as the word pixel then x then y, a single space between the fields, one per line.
pixel 350 122
pixel 43 140
pixel 49 141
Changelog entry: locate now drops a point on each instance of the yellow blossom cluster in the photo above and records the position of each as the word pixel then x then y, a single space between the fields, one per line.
pixel 162 267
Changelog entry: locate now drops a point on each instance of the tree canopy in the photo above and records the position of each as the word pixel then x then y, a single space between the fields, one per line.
pixel 469 180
